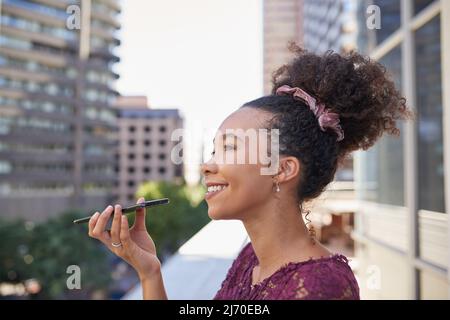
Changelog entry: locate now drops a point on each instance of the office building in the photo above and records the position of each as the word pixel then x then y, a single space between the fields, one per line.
pixel 145 146
pixel 56 93
pixel 282 22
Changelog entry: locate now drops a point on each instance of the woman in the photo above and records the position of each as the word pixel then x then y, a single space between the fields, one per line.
pixel 324 107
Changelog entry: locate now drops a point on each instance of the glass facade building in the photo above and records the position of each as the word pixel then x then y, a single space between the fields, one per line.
pixel 56 96
pixel 402 185
pixel 330 25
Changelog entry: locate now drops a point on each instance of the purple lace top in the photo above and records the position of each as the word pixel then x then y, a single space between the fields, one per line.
pixel 325 278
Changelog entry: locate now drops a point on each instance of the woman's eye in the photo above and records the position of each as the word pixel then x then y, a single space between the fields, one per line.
pixel 229 147
pixel 225 147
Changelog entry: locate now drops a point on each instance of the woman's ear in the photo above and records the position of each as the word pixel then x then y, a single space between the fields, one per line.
pixel 289 169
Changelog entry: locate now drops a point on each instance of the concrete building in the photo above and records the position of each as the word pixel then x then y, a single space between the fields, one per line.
pixel 282 22
pixel 144 146
pixel 403 184
pixel 56 120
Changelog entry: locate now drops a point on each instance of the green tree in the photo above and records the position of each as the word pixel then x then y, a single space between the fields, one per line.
pixel 14 247
pixel 45 250
pixel 59 243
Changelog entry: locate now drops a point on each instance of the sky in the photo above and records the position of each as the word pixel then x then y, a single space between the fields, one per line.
pixel 203 57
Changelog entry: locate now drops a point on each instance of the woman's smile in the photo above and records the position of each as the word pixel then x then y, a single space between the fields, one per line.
pixel 214 189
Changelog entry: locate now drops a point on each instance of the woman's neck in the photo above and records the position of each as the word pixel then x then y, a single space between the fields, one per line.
pixel 278 235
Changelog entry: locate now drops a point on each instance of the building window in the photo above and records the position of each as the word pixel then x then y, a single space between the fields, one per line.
pixel 147 170
pixel 162 129
pixel 130 197
pixel 131 142
pixel 162 156
pixel 131 156
pixel 162 143
pixel 382 178
pixel 147 128
pixel 132 129
pixel 419 5
pixel 390 18
pixel 162 170
pixel 5 167
pixel 131 183
pixel 147 156
pixel 390 22
pixel 147 143
pixel 429 108
pixel 131 170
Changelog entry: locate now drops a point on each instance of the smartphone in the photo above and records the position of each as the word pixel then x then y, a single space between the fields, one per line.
pixel 128 210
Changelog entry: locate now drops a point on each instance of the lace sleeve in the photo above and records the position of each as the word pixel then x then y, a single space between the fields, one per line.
pixel 324 281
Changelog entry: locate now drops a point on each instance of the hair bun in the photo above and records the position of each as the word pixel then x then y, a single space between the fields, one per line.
pixel 351 85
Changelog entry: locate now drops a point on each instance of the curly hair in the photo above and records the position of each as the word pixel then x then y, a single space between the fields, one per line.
pixel 358 89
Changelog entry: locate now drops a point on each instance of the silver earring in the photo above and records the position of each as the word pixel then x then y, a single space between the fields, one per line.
pixel 278 187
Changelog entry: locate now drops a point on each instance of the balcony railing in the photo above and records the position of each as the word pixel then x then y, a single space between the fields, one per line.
pixel 54 12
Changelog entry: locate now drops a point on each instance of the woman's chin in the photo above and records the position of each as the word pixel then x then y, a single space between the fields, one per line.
pixel 216 214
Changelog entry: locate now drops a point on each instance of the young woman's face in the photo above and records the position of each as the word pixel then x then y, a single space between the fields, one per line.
pixel 243 187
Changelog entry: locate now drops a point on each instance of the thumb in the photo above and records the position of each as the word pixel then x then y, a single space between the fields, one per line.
pixel 139 221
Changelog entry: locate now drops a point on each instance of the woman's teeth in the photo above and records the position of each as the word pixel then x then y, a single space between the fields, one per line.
pixel 217 188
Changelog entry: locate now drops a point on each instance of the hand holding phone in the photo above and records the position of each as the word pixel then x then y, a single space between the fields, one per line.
pixel 130 209
pixel 134 244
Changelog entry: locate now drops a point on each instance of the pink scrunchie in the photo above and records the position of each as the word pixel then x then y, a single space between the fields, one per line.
pixel 326 119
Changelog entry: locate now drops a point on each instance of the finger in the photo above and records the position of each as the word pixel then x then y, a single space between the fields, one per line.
pixel 99 231
pixel 92 222
pixel 139 220
pixel 115 228
pixel 125 234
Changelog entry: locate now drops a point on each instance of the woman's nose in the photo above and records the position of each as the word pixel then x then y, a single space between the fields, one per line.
pixel 208 167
